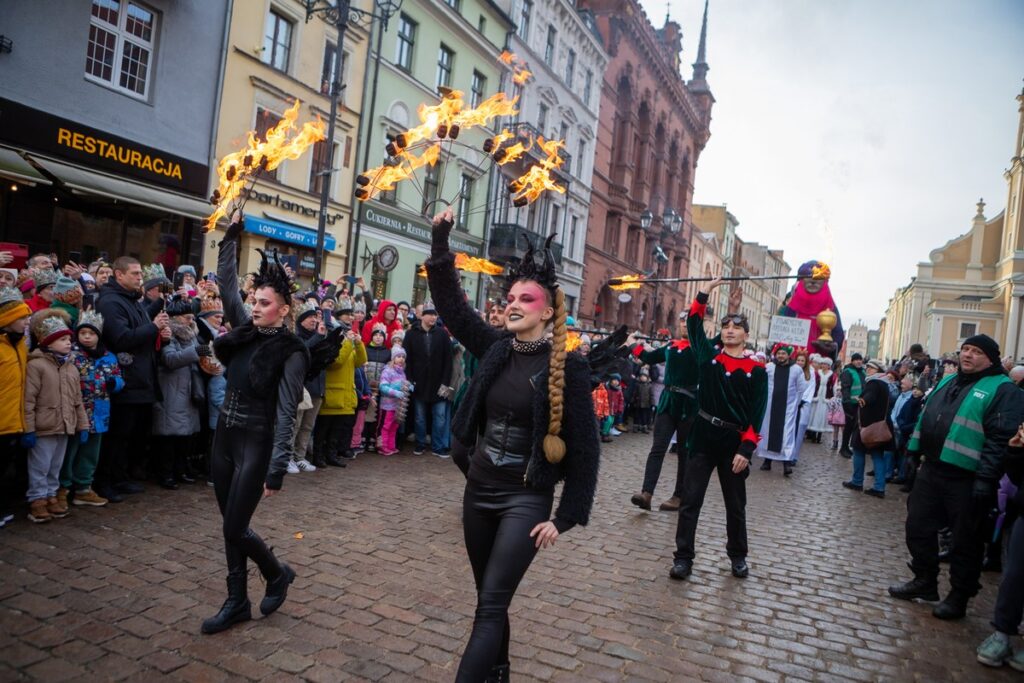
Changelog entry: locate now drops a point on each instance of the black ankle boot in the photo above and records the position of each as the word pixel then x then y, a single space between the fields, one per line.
pixel 236 608
pixel 499 674
pixel 277 590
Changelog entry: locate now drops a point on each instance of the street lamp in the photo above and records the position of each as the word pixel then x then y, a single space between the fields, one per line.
pixel 646 218
pixel 677 222
pixel 666 217
pixel 341 13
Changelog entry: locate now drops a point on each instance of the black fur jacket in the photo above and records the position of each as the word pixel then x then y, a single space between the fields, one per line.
pixel 579 467
pixel 266 374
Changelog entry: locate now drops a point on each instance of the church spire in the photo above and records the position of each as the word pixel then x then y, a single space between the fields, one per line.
pixel 700 67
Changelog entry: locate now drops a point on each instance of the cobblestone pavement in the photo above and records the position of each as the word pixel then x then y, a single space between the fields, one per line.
pixel 384 590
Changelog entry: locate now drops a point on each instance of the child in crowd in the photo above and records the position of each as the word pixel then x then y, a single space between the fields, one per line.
pixel 14 317
pixel 394 399
pixel 642 397
pixel 603 412
pixel 616 403
pixel 377 358
pixel 100 378
pixel 53 411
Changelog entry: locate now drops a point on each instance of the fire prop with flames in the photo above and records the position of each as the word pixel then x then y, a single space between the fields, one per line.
pixel 627 282
pixel 243 167
pixel 521 75
pixel 471 264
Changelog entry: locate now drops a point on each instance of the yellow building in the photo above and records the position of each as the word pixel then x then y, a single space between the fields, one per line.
pixel 972 284
pixel 274 56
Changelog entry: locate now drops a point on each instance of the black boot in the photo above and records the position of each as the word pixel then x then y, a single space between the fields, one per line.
pixel 919 588
pixel 499 674
pixel 953 607
pixel 236 608
pixel 277 590
pixel 766 465
pixel 787 469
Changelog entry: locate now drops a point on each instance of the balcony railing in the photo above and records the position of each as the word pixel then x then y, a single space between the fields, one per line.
pixel 527 131
pixel 506 243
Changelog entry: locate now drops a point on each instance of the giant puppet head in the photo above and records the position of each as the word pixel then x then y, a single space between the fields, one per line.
pixel 810 297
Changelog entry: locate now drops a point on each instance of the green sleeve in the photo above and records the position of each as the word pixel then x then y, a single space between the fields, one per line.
pixel 695 327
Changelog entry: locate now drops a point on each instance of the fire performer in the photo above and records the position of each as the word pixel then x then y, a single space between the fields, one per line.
pixel 677 408
pixel 731 404
pixel 809 297
pixel 265 368
pixel 529 402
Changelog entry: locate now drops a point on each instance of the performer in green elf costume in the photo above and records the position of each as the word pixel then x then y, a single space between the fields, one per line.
pixel 731 404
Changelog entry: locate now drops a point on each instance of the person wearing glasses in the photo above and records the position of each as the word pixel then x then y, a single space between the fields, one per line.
pixel 731 405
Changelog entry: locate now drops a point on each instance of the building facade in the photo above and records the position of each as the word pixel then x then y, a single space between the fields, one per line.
pixel 720 222
pixel 562 48
pixel 707 260
pixel 652 129
pixel 874 341
pixel 274 57
pixel 429 45
pixel 856 342
pixel 761 299
pixel 108 118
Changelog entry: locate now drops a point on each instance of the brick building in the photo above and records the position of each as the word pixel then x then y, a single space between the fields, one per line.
pixel 653 126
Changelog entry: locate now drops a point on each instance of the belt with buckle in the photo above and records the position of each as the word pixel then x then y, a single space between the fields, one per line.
pixel 685 391
pixel 718 422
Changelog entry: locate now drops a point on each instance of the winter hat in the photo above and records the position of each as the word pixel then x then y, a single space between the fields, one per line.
pixel 92 320
pixel 210 306
pixel 856 356
pixel 397 337
pixel 305 310
pixel 429 308
pixel 49 325
pixel 951 357
pixel 12 271
pixel 186 268
pixel 817 270
pixel 988 345
pixel 615 375
pixel 179 307
pixel 67 290
pixel 44 278
pixel 876 364
pixel 25 282
pixel 397 351
pixel 12 307
pixel 153 275
pixel 585 339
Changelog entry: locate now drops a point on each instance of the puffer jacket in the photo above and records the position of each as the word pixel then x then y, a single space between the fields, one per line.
pixel 177 414
pixel 13 366
pixel 95 372
pixel 340 397
pixel 53 396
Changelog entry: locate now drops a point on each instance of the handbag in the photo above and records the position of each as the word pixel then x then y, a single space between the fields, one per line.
pixel 877 433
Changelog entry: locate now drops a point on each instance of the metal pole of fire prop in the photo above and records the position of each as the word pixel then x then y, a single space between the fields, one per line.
pixel 341 13
pixel 620 281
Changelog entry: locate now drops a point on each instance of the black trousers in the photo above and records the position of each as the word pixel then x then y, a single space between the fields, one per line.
pixel 734 490
pixel 851 413
pixel 239 468
pixel 1010 602
pixel 13 473
pixel 334 434
pixel 122 448
pixel 497 524
pixel 172 454
pixel 940 500
pixel 664 426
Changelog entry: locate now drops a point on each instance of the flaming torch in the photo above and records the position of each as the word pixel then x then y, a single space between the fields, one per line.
pixel 236 170
pixel 521 75
pixel 471 264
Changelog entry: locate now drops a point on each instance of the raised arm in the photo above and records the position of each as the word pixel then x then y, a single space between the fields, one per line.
pixel 695 328
pixel 446 290
pixel 227 273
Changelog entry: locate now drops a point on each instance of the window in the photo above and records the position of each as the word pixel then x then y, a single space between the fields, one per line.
pixel 379 283
pixel 419 286
pixel 327 75
pixel 524 19
pixel 406 42
pixel 542 117
pixel 389 196
pixel 968 330
pixel 465 202
pixel 120 45
pixel 477 89
pixel 265 120
pixel 549 47
pixel 570 68
pixel 277 41
pixel 588 84
pixel 454 4
pixel 556 224
pixel 579 158
pixel 430 186
pixel 632 245
pixel 445 60
pixel 563 132
pixel 319 164
pixel 481 24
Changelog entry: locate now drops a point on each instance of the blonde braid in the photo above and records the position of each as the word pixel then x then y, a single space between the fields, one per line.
pixel 554 446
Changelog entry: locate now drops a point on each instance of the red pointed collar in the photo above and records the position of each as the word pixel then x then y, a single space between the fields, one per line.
pixel 731 364
pixel 751 435
pixel 681 344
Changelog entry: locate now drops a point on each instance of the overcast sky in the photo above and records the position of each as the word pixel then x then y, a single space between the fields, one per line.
pixel 859 133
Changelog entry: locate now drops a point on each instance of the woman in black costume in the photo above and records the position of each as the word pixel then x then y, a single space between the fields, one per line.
pixel 265 365
pixel 529 412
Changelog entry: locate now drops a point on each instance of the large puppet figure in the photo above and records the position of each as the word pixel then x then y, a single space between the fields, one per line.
pixel 810 297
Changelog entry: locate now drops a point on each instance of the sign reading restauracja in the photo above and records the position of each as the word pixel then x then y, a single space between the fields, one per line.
pixel 376 217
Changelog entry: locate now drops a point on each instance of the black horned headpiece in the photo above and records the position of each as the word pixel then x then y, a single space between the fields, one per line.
pixel 527 267
pixel 272 274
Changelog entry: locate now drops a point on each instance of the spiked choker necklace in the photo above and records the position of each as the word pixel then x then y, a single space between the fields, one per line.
pixel 529 346
pixel 269 331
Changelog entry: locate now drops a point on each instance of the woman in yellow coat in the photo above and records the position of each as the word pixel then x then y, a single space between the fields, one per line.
pixel 338 412
pixel 14 314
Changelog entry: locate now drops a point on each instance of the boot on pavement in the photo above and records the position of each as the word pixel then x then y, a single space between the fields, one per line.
pixel 38 512
pixel 53 505
pixel 88 497
pixel 671 505
pixel 235 609
pixel 918 588
pixel 277 590
pixel 642 500
pixel 954 606
pixel 499 674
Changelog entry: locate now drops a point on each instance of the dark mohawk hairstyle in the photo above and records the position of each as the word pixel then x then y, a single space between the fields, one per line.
pixel 272 274
pixel 527 267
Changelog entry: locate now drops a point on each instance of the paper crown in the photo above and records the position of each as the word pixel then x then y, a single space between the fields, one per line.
pixel 153 275
pixel 44 278
pixel 90 319
pixel 10 295
pixel 344 305
pixel 380 327
pixel 50 325
pixel 359 307
pixel 307 309
pixel 211 304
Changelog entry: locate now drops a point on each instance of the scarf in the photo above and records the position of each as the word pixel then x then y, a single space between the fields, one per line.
pixel 808 306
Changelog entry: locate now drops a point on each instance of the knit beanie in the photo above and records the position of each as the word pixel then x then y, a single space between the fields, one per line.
pixel 12 307
pixel 67 291
pixel 397 351
pixel 49 325
pixel 988 345
pixel 91 320
pixel 12 271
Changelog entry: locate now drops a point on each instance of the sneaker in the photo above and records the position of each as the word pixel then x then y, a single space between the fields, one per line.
pixel 56 508
pixel 874 492
pixel 88 497
pixel 7 518
pixel 995 650
pixel 348 455
pixel 305 466
pixel 615 432
pixel 419 451
pixel 853 487
pixel 38 512
pixel 62 497
pixel 292 467
pixel 443 456
pixel 1017 660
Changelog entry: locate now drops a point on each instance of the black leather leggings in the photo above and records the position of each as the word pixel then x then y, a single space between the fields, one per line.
pixel 239 468
pixel 497 524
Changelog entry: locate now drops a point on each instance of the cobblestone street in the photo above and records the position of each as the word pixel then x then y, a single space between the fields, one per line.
pixel 384 590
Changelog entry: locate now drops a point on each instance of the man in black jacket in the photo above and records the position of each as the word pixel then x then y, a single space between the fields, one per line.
pixel 135 339
pixel 429 368
pixel 962 436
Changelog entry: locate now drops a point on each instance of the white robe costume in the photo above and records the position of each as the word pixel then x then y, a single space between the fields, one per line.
pixel 818 407
pixel 778 430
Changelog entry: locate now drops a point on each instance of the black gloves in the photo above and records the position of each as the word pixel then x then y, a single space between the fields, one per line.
pixel 983 496
pixel 439 238
pixel 234 230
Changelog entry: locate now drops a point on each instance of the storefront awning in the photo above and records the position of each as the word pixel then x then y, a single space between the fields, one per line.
pixel 13 167
pixel 87 182
pixel 286 232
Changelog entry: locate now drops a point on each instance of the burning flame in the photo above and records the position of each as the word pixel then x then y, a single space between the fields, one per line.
pixel 471 264
pixel 521 75
pixel 384 177
pixel 572 341
pixel 281 142
pixel 627 282
pixel 494 106
pixel 537 178
pixel 821 272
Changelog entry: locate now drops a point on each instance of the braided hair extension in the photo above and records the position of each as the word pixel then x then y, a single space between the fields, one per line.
pixel 554 446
